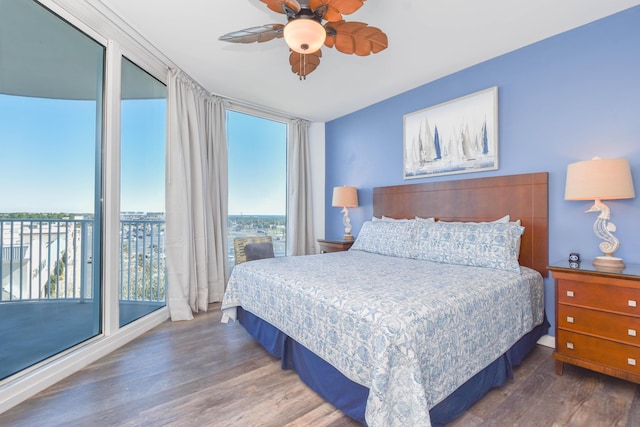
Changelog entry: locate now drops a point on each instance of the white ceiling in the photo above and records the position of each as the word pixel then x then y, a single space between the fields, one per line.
pixel 427 40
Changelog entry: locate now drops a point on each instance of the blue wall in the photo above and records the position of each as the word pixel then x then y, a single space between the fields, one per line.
pixel 564 99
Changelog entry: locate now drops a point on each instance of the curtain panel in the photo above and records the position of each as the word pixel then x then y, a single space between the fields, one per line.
pixel 196 197
pixel 300 236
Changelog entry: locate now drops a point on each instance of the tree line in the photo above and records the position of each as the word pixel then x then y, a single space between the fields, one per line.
pixel 38 215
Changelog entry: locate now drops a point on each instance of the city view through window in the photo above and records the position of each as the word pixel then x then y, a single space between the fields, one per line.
pixel 47 218
pixel 257 189
pixel 35 212
pixel 257 180
pixel 57 181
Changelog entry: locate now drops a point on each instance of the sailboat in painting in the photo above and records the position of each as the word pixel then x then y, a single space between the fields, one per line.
pixel 424 147
pixel 436 143
pixel 485 141
pixel 478 146
pixel 468 150
pixel 430 145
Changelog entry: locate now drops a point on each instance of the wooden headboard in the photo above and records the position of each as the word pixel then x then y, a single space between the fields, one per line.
pixel 524 197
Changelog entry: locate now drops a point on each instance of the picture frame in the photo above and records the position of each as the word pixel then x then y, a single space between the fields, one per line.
pixel 457 136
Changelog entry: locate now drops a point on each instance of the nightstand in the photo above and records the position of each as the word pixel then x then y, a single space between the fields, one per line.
pixel 334 245
pixel 598 319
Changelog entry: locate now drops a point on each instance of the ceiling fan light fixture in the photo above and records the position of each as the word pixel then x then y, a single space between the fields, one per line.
pixel 304 35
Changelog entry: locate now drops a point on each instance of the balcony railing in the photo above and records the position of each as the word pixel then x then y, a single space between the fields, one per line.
pixel 52 259
pixel 142 260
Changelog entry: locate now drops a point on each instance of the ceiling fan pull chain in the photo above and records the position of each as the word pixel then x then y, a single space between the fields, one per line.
pixel 301 67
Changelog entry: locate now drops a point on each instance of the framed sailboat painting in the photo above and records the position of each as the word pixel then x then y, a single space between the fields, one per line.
pixel 458 136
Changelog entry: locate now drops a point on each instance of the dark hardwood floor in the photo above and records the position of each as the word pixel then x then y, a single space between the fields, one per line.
pixel 205 373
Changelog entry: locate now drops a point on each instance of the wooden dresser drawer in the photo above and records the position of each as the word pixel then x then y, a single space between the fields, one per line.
pixel 615 327
pixel 619 356
pixel 601 296
pixel 598 319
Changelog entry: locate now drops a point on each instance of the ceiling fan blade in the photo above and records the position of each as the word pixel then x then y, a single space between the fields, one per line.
pixel 277 5
pixel 355 38
pixel 254 34
pixel 303 64
pixel 336 8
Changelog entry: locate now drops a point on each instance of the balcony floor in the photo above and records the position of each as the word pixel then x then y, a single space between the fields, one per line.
pixel 35 330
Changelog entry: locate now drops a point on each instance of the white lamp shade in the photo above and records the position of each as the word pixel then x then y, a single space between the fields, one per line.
pixel 603 179
pixel 345 197
pixel 304 35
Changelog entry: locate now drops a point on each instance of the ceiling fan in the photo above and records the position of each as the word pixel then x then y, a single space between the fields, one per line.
pixel 305 34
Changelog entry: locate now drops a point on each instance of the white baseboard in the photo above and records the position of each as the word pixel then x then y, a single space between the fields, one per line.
pixel 17 390
pixel 547 341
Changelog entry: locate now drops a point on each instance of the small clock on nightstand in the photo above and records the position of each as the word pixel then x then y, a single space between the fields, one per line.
pixel 334 245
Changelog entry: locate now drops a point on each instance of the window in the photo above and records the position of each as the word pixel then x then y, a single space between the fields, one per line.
pixel 51 86
pixel 142 165
pixel 257 150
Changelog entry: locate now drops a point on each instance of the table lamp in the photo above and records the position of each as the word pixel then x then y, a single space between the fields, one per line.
pixel 598 180
pixel 345 198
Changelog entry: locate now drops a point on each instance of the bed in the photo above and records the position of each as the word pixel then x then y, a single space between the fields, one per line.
pixel 421 317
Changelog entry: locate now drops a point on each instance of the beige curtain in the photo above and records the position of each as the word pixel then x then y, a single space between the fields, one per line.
pixel 196 197
pixel 300 237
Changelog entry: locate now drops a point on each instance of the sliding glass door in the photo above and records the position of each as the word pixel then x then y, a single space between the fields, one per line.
pixel 51 89
pixel 142 164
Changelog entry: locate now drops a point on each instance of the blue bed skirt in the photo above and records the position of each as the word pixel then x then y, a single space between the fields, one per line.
pixel 351 398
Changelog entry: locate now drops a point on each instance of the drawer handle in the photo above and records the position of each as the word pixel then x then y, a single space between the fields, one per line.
pixel 632 332
pixel 632 303
pixel 569 319
pixel 631 361
pixel 570 294
pixel 570 345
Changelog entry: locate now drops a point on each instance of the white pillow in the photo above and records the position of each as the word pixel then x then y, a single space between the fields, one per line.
pixel 502 220
pixel 387 218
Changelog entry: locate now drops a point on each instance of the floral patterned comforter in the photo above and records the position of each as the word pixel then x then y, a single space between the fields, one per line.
pixel 412 331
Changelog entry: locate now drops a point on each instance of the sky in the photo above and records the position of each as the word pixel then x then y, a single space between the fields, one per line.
pixel 47 158
pixel 257 165
pixel 47 154
pixel 142 157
